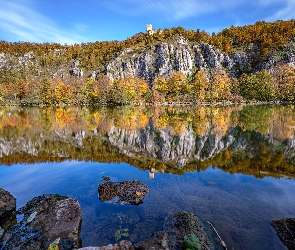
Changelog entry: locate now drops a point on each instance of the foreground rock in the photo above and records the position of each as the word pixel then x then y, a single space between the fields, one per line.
pixel 122 245
pixel 285 229
pixel 126 192
pixel 7 210
pixel 47 219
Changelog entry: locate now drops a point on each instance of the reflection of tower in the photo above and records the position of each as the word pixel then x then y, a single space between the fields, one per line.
pixel 152 172
pixel 151 175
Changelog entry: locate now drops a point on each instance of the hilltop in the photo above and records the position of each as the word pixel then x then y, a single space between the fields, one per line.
pixel 170 65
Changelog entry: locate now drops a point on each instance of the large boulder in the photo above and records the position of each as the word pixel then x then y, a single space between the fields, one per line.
pixel 122 245
pixel 46 219
pixel 7 209
pixel 126 192
pixel 285 229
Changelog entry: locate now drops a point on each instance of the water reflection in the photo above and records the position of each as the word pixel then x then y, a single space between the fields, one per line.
pixel 254 140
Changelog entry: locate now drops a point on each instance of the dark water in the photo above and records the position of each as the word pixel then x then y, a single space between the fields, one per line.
pixel 232 166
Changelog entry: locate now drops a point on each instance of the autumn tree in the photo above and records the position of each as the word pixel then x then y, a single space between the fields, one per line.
pixel 62 93
pixel 177 85
pixel 104 85
pixel 46 92
pixel 22 89
pixel 257 86
pixel 142 90
pixel 199 85
pixel 283 80
pixel 160 89
pixel 219 87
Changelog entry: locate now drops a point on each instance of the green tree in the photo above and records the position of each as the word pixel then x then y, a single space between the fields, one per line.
pixel 257 86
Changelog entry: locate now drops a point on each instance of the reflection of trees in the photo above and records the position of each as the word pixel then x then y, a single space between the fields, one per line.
pixel 284 122
pixel 256 119
pixel 30 135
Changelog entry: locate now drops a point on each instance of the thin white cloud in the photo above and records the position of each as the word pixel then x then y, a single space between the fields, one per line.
pixel 171 9
pixel 22 23
pixel 284 13
pixel 176 10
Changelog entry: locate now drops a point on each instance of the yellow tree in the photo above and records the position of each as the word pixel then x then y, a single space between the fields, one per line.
pixel 283 79
pixel 177 85
pixel 142 90
pixel 123 91
pixel 199 85
pixel 62 93
pixel 160 89
pixel 220 86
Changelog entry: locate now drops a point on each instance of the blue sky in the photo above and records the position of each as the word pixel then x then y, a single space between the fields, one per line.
pixel 76 21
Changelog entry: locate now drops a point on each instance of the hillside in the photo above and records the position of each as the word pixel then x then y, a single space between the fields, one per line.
pixel 195 65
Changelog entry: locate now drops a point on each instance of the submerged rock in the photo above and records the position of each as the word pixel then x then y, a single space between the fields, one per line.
pixel 285 229
pixel 126 192
pixel 47 219
pixel 158 240
pixel 182 231
pixel 7 209
pixel 122 245
pixel 187 232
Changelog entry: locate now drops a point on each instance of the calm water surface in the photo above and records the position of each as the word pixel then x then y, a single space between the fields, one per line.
pixel 232 166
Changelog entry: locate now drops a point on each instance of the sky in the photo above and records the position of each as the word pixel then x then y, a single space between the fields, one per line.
pixel 82 21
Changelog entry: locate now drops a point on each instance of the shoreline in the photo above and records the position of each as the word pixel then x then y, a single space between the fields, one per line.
pixel 155 104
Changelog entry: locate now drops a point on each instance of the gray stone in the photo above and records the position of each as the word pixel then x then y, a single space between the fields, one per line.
pixel 285 229
pixel 178 55
pixel 7 209
pixel 47 218
pixel 126 192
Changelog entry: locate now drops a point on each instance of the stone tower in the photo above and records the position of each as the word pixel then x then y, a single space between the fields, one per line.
pixel 149 29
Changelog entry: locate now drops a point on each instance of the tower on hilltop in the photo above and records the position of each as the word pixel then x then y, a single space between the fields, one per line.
pixel 149 29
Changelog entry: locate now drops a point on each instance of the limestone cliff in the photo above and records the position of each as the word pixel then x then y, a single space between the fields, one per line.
pixel 180 55
pixel 150 62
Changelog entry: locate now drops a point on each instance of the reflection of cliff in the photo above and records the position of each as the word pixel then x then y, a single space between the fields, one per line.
pixel 249 140
pixel 175 150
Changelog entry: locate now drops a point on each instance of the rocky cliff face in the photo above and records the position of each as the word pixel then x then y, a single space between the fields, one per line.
pixel 159 60
pixel 179 55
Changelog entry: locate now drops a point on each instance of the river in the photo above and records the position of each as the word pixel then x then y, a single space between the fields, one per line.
pixel 231 165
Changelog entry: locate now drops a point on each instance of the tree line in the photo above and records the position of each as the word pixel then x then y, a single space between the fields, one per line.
pixel 278 85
